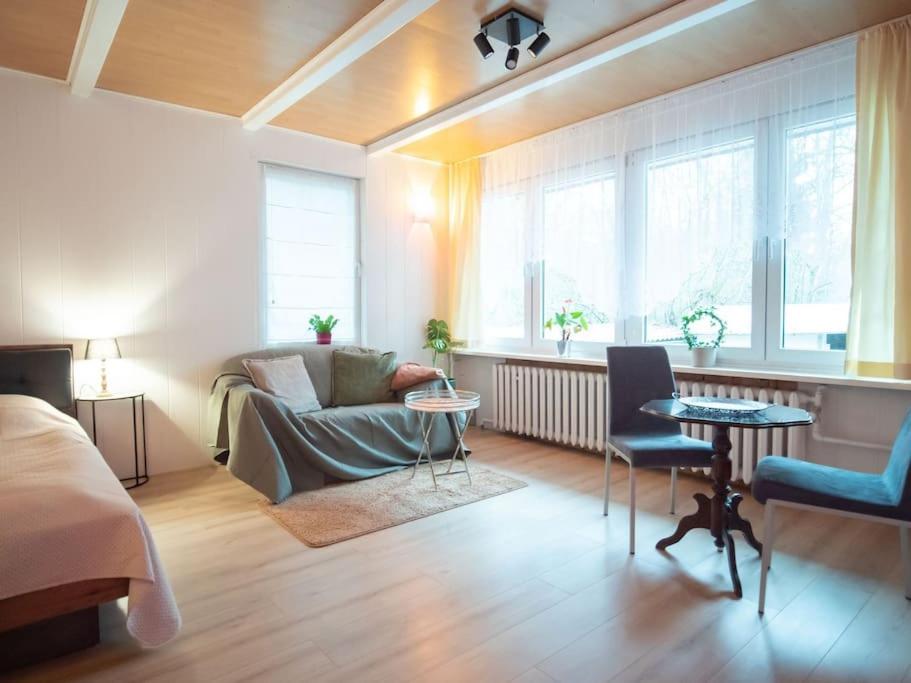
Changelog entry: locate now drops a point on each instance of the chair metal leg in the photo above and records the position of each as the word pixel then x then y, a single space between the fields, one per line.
pixel 607 462
pixel 673 490
pixel 905 532
pixel 632 510
pixel 767 543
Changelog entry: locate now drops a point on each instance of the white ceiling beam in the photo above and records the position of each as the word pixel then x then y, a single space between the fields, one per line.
pixel 677 18
pixel 100 22
pixel 369 31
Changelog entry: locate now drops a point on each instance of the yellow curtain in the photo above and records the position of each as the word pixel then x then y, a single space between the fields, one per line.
pixel 464 249
pixel 879 330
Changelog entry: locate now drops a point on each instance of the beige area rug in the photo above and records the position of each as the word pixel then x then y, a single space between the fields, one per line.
pixel 342 511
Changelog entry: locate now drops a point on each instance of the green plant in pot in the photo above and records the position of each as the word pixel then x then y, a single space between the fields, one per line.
pixel 323 328
pixel 438 338
pixel 569 322
pixel 705 351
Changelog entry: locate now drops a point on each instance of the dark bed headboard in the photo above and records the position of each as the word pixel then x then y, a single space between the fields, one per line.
pixel 41 370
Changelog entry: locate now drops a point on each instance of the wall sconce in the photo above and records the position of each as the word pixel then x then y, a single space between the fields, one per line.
pixel 422 208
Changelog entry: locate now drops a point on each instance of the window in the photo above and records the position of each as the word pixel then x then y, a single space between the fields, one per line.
pixel 736 194
pixel 503 266
pixel 817 257
pixel 699 241
pixel 311 253
pixel 579 255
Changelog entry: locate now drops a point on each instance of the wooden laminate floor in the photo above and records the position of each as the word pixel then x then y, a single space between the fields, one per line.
pixel 532 586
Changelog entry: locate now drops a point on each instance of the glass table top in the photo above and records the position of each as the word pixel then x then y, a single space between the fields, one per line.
pixel 773 416
pixel 442 400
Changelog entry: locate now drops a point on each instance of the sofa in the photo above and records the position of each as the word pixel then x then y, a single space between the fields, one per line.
pixel 277 452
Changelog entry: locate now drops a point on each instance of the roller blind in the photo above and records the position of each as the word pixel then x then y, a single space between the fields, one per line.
pixel 311 253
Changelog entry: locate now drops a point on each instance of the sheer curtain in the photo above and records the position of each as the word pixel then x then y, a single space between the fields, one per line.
pixel 640 214
pixel 879 339
pixel 464 248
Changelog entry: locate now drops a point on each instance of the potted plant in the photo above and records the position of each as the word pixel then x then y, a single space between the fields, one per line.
pixel 438 338
pixel 704 351
pixel 569 322
pixel 323 328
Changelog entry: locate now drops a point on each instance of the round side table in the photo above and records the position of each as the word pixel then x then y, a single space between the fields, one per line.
pixel 138 478
pixel 431 402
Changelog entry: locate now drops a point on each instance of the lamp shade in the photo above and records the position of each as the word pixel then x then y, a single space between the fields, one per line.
pixel 102 349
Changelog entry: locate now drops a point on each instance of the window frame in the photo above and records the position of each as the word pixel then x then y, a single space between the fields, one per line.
pixel 769 134
pixel 638 162
pixel 775 352
pixel 539 342
pixel 525 341
pixel 262 243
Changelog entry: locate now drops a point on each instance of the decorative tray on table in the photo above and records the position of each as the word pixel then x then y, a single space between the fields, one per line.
pixel 723 405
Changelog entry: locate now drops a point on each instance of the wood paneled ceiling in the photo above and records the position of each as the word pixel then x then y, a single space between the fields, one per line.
pixel 220 55
pixel 38 36
pixel 432 63
pixel 226 55
pixel 754 33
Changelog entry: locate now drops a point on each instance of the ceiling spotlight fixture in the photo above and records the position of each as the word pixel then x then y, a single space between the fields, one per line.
pixel 538 44
pixel 512 58
pixel 511 27
pixel 483 45
pixel 513 36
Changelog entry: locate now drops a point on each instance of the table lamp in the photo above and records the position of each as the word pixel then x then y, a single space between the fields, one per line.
pixel 102 349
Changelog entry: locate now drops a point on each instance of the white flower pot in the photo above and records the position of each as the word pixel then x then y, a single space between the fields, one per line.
pixel 705 357
pixel 563 348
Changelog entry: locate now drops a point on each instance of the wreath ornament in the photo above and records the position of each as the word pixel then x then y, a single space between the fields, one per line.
pixel 692 341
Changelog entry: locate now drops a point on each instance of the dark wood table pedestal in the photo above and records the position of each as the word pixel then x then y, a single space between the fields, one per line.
pixel 719 514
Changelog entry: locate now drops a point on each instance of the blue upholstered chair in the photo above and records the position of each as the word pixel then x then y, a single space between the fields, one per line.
pixel 636 375
pixel 783 482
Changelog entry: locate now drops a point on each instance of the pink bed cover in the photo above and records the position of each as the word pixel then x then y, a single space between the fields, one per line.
pixel 65 517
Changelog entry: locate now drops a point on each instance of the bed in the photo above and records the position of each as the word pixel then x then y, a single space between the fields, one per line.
pixel 71 537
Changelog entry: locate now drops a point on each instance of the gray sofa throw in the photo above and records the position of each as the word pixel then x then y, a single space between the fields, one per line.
pixel 264 444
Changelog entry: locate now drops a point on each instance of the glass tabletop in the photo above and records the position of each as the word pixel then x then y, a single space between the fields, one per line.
pixel 442 400
pixel 773 416
pixel 110 397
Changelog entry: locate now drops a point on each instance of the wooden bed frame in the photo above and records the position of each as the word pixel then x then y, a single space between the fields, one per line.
pixel 56 621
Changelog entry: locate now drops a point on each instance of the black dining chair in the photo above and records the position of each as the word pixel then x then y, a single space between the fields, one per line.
pixel 636 375
pixel 784 482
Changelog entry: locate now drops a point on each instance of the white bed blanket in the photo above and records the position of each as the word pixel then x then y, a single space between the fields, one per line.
pixel 65 517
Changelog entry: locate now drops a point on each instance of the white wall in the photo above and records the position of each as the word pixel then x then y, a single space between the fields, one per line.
pixel 128 218
pixel 404 261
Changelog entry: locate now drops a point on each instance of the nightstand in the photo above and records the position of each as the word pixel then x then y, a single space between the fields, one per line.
pixel 138 478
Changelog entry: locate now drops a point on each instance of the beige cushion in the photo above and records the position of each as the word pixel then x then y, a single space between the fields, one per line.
pixel 285 378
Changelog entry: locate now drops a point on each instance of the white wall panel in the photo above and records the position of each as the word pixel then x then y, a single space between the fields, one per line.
pixel 403 260
pixel 142 221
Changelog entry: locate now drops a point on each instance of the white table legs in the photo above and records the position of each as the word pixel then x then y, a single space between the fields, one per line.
pixel 458 454
pixel 426 427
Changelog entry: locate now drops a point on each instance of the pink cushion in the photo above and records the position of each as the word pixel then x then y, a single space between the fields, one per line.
pixel 409 374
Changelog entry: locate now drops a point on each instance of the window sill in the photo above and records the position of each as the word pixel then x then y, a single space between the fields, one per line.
pixel 717 371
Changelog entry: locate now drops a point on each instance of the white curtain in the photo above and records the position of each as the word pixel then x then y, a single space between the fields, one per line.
pixel 665 202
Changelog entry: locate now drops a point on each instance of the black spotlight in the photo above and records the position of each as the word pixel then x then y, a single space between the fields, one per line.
pixel 513 34
pixel 538 44
pixel 511 27
pixel 483 45
pixel 512 58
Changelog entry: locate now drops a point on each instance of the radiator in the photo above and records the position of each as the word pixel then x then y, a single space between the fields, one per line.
pixel 570 407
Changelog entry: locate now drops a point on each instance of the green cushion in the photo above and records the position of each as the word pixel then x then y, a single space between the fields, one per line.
pixel 360 378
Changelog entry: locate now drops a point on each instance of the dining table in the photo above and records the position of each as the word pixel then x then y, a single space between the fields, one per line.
pixel 720 514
